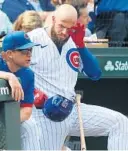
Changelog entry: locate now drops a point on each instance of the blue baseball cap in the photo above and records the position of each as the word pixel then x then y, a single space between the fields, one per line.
pixel 17 40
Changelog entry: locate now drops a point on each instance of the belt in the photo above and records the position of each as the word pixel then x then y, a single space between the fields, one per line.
pixel 39 108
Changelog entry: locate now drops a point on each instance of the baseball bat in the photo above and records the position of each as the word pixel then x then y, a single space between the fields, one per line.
pixel 82 137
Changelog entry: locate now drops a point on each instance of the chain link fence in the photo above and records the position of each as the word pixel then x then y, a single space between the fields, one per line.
pixel 2 136
pixel 112 25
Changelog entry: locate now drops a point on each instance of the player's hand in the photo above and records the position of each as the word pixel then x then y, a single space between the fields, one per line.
pixel 16 88
pixel 39 98
pixel 78 33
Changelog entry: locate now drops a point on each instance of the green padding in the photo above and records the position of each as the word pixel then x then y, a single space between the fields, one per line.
pixel 5 92
pixel 113 62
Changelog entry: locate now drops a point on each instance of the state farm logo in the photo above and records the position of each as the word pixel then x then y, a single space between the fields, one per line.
pixel 116 66
pixel 109 66
pixel 4 91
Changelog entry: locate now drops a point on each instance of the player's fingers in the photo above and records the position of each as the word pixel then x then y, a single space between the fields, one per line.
pixel 72 31
pixel 22 94
pixel 18 94
pixel 13 93
pixel 83 26
pixel 78 24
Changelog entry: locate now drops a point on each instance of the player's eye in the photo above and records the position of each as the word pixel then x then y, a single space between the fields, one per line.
pixel 25 51
pixel 61 26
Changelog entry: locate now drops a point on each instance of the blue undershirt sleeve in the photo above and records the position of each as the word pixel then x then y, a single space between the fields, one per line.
pixel 90 65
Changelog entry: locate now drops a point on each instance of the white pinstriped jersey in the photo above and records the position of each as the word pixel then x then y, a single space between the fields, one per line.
pixel 55 73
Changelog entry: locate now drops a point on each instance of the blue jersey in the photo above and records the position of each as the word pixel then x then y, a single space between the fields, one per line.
pixel 26 76
pixel 14 8
pixel 112 5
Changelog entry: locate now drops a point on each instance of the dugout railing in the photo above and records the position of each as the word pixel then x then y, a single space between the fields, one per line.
pixel 9 119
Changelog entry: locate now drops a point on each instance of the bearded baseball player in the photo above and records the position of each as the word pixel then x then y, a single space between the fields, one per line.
pixel 56 70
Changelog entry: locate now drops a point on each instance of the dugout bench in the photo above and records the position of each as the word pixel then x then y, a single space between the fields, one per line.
pixel 110 91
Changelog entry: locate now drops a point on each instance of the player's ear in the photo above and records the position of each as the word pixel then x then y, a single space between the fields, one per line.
pixel 9 54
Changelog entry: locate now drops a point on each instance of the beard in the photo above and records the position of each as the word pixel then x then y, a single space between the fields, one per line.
pixel 58 42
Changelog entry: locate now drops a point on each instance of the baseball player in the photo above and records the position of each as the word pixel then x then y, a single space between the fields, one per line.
pixel 56 69
pixel 14 63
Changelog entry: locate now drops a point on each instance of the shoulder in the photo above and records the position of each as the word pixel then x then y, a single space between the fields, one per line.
pixel 39 36
pixel 2 63
pixel 27 73
pixel 26 76
pixel 48 20
pixel 36 32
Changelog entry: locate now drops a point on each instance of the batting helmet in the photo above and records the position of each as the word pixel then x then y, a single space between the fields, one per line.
pixel 57 108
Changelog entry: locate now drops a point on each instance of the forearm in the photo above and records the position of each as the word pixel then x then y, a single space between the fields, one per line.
pixel 25 113
pixel 5 75
pixel 90 64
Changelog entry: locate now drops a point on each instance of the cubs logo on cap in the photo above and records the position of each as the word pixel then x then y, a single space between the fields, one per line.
pixel 26 36
pixel 72 58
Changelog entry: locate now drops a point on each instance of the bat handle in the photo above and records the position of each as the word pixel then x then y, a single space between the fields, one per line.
pixel 78 98
pixel 83 145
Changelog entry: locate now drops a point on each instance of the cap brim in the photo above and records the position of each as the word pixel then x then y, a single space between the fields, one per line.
pixel 28 45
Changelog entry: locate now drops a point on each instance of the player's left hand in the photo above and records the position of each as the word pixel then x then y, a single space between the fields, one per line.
pixel 78 33
pixel 16 88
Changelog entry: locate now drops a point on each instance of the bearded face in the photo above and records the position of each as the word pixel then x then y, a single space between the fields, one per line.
pixel 58 40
